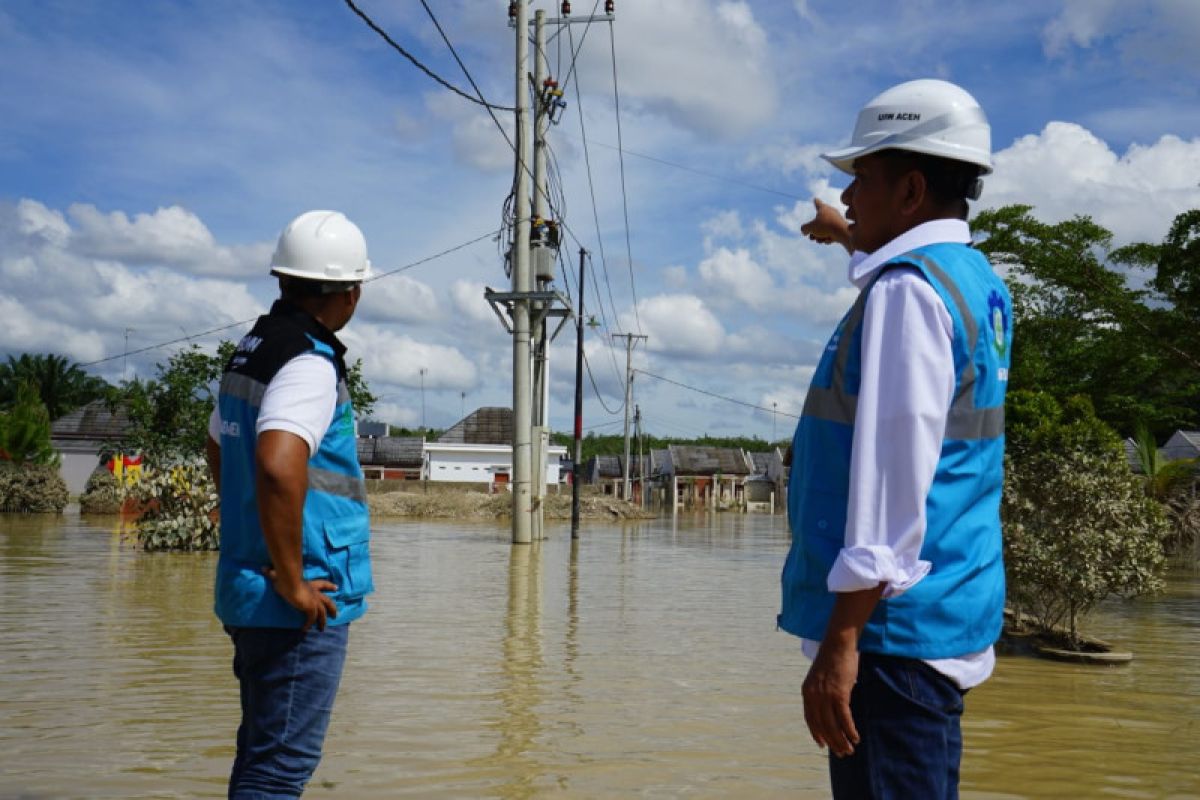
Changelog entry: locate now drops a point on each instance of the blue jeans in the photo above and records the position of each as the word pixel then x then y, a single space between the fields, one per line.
pixel 288 680
pixel 907 715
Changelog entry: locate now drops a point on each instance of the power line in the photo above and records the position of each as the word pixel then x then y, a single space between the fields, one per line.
pixel 587 159
pixel 596 219
pixel 718 396
pixel 575 52
pixel 371 23
pixel 434 257
pixel 694 171
pixel 603 425
pixel 587 365
pixel 188 338
pixel 624 197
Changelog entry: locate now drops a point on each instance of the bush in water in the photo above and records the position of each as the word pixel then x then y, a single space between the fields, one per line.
pixel 32 489
pixel 179 502
pixel 1078 526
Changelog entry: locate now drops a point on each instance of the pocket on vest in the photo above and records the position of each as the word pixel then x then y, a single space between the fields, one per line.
pixel 348 541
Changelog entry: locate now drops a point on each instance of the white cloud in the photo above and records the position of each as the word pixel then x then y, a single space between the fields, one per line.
pixel 398 298
pixel 474 136
pixel 468 299
pixel 734 274
pixel 710 65
pixel 398 359
pixel 678 325
pixel 1164 33
pixel 723 225
pixel 1066 170
pixel 169 236
pixel 67 300
pixel 1081 23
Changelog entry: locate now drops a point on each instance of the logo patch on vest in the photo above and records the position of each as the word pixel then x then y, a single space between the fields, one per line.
pixel 998 316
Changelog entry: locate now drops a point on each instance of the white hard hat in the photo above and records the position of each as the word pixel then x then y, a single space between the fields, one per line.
pixel 925 116
pixel 321 246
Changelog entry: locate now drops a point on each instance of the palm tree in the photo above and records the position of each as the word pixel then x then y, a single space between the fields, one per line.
pixel 1164 478
pixel 62 385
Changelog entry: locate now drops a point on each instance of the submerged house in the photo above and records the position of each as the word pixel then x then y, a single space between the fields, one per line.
pixel 81 437
pixel 766 488
pixel 707 477
pixel 392 458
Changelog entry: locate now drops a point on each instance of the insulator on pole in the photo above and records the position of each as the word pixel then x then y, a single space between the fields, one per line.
pixel 512 9
pixel 608 6
pixel 566 8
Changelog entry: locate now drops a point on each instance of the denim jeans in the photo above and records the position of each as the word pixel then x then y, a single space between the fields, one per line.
pixel 288 680
pixel 907 715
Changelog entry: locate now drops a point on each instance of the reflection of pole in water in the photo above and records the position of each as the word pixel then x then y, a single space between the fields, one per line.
pixel 572 644
pixel 521 690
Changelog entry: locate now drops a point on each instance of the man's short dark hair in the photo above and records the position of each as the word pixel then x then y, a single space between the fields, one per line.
pixel 949 182
pixel 296 288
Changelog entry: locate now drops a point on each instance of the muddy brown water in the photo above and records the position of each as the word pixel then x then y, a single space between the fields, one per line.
pixel 641 662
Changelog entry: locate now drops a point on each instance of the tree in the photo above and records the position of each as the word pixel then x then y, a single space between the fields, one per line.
pixel 29 479
pixel 1079 328
pixel 360 393
pixel 169 413
pixel 1173 485
pixel 1078 525
pixel 25 430
pixel 62 386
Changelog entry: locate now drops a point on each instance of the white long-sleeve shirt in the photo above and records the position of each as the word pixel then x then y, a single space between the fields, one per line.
pixel 903 400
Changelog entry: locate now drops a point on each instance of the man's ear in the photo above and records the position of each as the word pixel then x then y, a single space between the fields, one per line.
pixel 913 188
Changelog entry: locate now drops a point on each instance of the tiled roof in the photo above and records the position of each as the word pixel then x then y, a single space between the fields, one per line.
pixel 698 460
pixel 391 451
pixel 93 422
pixel 492 425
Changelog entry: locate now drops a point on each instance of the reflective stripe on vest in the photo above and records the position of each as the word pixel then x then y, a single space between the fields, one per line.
pixel 964 421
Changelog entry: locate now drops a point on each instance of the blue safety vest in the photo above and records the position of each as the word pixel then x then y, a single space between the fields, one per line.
pixel 958 607
pixel 336 529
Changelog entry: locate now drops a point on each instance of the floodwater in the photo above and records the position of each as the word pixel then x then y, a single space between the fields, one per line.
pixel 641 661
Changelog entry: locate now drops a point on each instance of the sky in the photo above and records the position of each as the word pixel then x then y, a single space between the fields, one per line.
pixel 150 154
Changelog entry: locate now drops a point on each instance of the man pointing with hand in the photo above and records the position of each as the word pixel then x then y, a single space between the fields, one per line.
pixel 894 580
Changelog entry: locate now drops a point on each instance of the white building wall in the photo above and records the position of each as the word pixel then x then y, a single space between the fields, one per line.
pixel 478 463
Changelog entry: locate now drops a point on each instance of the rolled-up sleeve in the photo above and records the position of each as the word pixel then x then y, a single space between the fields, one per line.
pixel 904 397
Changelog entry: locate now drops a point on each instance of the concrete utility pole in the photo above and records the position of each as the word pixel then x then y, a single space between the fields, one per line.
pixel 577 468
pixel 521 495
pixel 637 426
pixel 630 341
pixel 542 255
pixel 535 244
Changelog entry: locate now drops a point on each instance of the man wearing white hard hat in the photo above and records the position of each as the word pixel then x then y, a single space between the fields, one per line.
pixel 294 569
pixel 894 581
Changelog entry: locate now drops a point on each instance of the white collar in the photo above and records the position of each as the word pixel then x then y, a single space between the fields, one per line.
pixel 864 265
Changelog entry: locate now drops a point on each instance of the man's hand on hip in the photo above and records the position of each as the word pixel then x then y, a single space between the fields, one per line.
pixel 307 597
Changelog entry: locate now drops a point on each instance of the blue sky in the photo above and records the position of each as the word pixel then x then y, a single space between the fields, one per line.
pixel 152 152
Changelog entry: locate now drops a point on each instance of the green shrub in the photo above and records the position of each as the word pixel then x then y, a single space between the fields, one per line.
pixel 102 494
pixel 32 489
pixel 1078 526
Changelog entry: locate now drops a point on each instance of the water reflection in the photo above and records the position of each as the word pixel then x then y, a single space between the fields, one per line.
pixel 521 665
pixel 637 661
